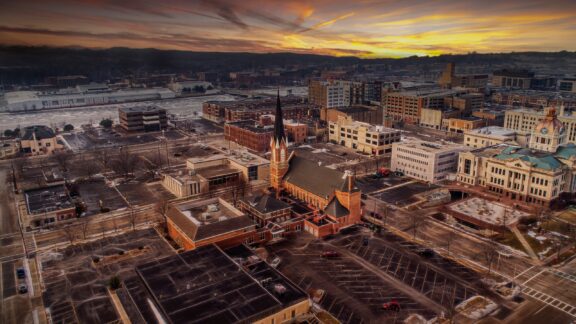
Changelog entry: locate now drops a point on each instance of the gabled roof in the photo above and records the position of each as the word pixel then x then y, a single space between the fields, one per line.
pixel 336 209
pixel 41 132
pixel 266 203
pixel 310 176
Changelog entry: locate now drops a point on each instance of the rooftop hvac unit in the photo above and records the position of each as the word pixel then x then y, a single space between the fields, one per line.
pixel 212 208
pixel 279 289
pixel 205 216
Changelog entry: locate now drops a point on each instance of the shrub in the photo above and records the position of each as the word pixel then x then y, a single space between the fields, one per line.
pixel 115 283
pixel 68 127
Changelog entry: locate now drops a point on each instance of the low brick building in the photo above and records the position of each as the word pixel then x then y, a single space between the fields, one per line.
pixel 248 134
pixel 196 223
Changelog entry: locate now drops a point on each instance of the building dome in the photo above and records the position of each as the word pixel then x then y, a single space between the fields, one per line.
pixel 550 125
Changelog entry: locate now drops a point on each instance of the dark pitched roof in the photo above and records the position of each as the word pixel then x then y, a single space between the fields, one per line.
pixel 336 209
pixel 308 175
pixel 278 122
pixel 40 131
pixel 345 187
pixel 266 203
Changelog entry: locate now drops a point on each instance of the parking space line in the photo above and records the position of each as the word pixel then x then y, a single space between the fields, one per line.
pixel 415 275
pixel 399 262
pixel 424 280
pixel 443 291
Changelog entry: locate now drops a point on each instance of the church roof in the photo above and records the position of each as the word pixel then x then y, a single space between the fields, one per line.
pixel 336 209
pixel 266 203
pixel 310 176
pixel 278 122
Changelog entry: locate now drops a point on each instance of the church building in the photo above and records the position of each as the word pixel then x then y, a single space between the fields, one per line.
pixel 332 194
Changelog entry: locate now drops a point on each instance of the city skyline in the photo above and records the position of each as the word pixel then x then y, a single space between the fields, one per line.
pixel 366 29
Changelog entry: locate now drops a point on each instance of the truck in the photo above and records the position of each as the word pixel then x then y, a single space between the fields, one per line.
pixel 382 172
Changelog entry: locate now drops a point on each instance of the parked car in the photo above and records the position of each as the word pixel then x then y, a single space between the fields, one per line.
pixel 365 241
pixel 21 273
pixel 22 289
pixel 427 253
pixel 391 306
pixel 275 262
pixel 330 254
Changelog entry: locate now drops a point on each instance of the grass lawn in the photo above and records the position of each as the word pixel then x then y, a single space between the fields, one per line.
pixel 509 239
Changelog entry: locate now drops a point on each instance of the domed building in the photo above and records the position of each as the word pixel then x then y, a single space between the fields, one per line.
pixel 548 134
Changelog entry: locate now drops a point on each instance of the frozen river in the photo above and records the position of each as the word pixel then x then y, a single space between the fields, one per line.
pixel 180 107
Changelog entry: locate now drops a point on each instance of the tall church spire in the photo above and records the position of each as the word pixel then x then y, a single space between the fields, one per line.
pixel 278 122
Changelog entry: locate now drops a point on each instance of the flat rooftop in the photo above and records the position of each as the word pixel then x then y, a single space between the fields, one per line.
pixel 487 211
pixel 492 131
pixel 217 171
pixel 201 219
pixel 241 157
pixel 47 199
pixel 141 109
pixel 251 126
pixel 431 147
pixel 206 286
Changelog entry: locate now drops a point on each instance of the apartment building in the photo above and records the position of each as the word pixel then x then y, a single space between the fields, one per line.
pixel 521 174
pixel 143 118
pixel 248 134
pixel 462 124
pixel 363 137
pixel 335 93
pixel 426 161
pixel 494 135
pixel 407 105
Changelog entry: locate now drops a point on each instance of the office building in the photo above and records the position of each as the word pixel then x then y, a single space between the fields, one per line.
pixel 493 135
pixel 407 105
pixel 462 124
pixel 363 137
pixel 449 79
pixel 142 118
pixel 512 79
pixel 567 85
pixel 426 161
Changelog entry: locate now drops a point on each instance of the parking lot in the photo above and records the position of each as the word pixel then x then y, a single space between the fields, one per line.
pixel 405 194
pixel 440 280
pixel 76 285
pixel 354 294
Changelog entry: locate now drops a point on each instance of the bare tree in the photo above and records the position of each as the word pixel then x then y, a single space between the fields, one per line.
pixel 125 163
pixel 449 239
pixel 162 207
pixel 239 190
pixel 62 158
pixel 416 221
pixel 70 232
pixel 154 161
pixel 84 227
pixel 133 217
pixel 103 157
pixel 88 168
pixel 489 254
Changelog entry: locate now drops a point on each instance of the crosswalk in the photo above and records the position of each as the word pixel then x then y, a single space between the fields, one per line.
pixel 562 274
pixel 549 300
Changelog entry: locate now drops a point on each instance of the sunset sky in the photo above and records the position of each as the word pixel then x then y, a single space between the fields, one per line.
pixel 365 28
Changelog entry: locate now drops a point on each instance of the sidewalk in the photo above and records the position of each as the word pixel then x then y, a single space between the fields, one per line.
pixel 524 243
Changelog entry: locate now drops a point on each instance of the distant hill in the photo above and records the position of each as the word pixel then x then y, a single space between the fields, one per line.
pixel 21 64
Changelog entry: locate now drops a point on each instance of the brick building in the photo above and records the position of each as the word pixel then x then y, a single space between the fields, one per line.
pixel 248 134
pixel 331 194
pixel 195 223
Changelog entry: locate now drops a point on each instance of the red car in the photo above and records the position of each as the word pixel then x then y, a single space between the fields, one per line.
pixel 330 254
pixel 391 306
